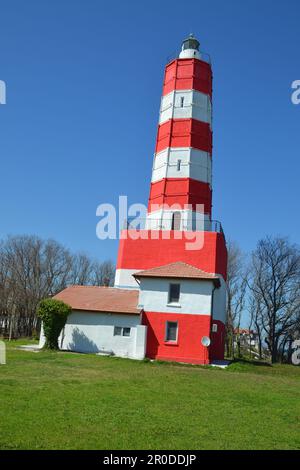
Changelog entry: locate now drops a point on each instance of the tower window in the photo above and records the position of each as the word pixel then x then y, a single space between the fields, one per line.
pixel 174 293
pixel 176 221
pixel 178 165
pixel 181 101
pixel 171 331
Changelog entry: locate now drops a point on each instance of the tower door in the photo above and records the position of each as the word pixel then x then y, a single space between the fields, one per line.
pixel 176 221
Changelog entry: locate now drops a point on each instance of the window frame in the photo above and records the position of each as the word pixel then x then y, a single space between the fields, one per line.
pixel 174 341
pixel 170 301
pixel 121 329
pixel 176 220
pixel 126 328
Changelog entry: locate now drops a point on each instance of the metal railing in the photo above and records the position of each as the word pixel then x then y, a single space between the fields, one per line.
pixel 166 224
pixel 175 55
pixel 217 226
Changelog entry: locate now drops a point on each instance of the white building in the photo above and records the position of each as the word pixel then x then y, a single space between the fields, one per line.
pixel 173 308
pixel 103 320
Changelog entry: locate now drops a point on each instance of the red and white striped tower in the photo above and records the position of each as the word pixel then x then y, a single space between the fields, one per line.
pixel 181 191
pixel 182 169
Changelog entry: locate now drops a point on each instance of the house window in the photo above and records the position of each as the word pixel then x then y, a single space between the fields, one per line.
pixel 214 328
pixel 178 165
pixel 181 101
pixel 171 331
pixel 174 293
pixel 121 331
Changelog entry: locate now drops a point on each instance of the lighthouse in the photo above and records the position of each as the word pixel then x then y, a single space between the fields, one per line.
pixel 182 291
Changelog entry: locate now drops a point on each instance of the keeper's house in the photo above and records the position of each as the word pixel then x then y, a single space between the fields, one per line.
pixel 166 317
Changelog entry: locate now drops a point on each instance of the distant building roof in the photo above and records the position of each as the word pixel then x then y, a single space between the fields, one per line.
pixel 100 299
pixel 243 331
pixel 179 270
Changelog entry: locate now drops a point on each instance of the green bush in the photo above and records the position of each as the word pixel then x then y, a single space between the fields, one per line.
pixel 54 314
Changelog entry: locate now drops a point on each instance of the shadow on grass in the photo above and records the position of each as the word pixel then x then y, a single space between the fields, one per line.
pixel 251 362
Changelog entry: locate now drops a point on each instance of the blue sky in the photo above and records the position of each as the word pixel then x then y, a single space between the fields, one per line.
pixel 84 80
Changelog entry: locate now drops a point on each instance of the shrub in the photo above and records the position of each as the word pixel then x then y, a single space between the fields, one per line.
pixel 54 314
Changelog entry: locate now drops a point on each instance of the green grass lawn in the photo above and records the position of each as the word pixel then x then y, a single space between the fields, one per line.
pixel 75 401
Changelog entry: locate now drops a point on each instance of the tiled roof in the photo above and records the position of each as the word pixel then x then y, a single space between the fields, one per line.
pixel 243 331
pixel 178 270
pixel 100 299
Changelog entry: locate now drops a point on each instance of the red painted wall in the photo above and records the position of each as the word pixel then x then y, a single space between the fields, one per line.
pixel 188 348
pixel 180 191
pixel 184 133
pixel 144 252
pixel 188 74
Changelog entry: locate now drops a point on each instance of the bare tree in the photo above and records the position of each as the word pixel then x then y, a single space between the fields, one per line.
pixel 32 269
pixel 275 288
pixel 236 294
pixel 254 308
pixel 81 270
pixel 103 273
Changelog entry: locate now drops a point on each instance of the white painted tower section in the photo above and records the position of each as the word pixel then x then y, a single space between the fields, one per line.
pixel 186 104
pixel 189 54
pixel 189 220
pixel 182 162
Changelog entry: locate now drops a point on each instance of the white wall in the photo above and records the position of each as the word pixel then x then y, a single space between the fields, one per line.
pixel 196 105
pixel 195 296
pixel 94 332
pixel 158 300
pixel 189 54
pixel 195 164
pixel 220 302
pixel 190 220
pixel 125 280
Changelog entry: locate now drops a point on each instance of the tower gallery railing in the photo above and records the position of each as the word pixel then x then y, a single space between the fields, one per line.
pixel 159 224
pixel 204 56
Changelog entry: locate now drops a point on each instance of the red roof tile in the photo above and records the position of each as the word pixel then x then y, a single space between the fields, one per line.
pixel 100 299
pixel 178 270
pixel 243 331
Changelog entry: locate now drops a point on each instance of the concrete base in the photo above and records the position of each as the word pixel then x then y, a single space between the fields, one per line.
pixel 223 364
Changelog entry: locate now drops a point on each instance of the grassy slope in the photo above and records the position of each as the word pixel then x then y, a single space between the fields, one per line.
pixel 72 401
